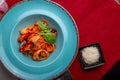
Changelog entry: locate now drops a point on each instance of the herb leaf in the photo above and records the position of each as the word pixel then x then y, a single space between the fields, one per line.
pixel 41 25
pixel 46 32
pixel 50 38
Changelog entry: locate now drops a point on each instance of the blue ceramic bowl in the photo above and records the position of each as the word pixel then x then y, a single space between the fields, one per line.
pixel 28 13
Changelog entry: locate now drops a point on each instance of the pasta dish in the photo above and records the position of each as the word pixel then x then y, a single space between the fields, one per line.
pixel 38 40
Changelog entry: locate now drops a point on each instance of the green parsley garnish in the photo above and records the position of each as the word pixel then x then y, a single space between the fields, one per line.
pixel 46 32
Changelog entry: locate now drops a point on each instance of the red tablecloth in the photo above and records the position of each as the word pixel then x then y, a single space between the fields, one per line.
pixel 97 21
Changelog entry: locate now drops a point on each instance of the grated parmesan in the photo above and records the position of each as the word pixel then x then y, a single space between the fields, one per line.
pixel 90 55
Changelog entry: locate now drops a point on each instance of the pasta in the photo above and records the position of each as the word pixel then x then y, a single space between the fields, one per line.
pixel 38 40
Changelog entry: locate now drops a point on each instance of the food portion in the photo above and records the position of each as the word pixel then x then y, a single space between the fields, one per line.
pixel 90 55
pixel 38 40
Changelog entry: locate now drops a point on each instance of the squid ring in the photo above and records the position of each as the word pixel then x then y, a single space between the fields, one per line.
pixel 40 55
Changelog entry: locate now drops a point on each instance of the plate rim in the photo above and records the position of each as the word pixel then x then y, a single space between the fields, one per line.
pixel 77 46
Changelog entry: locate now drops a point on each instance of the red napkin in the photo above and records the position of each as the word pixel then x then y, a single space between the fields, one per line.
pixel 11 3
pixel 97 21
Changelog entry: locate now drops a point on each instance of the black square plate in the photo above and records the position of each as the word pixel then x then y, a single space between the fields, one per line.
pixel 100 62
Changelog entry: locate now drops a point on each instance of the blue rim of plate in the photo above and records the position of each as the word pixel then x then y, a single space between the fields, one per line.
pixel 61 69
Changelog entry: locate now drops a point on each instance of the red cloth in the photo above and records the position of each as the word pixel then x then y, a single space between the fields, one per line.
pixel 97 21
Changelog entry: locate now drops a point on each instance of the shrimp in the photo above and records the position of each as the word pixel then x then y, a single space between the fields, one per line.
pixel 36 39
pixel 23 37
pixel 30 29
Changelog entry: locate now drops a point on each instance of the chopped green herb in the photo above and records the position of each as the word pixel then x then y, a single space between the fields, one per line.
pixel 50 38
pixel 41 25
pixel 41 32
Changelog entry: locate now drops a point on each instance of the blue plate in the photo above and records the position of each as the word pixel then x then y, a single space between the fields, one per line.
pixel 27 13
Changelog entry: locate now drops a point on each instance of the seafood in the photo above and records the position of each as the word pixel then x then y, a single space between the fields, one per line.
pixel 37 40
